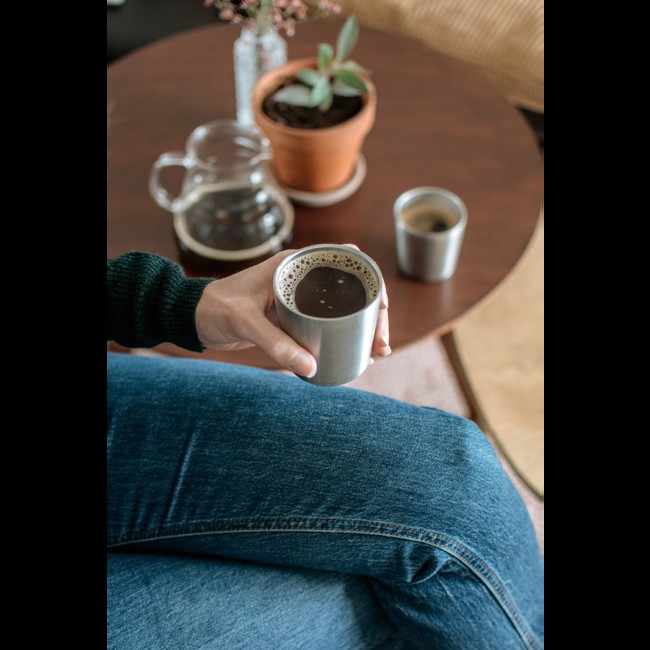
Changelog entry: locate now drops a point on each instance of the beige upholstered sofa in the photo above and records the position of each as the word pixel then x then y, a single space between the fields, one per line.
pixel 503 39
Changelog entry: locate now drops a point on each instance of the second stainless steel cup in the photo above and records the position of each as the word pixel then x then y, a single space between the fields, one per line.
pixel 327 297
pixel 429 228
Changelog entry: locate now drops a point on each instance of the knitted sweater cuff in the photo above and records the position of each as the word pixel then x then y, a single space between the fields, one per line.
pixel 178 320
pixel 150 301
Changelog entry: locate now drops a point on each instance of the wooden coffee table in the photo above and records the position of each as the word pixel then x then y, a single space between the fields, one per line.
pixel 438 123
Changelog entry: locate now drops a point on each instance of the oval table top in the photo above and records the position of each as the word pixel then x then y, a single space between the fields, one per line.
pixel 438 123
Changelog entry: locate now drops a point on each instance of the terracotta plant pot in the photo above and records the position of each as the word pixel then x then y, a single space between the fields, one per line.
pixel 313 160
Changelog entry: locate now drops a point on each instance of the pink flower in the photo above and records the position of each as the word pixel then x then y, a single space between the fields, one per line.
pixel 283 14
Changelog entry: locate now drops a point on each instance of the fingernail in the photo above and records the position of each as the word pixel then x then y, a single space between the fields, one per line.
pixel 384 340
pixel 303 364
pixel 371 361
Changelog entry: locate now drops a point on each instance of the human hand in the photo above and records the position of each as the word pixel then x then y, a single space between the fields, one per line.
pixel 238 312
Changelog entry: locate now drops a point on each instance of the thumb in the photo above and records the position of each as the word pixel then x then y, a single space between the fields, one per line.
pixel 281 347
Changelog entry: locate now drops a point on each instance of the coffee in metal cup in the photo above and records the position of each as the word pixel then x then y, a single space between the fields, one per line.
pixel 327 298
pixel 430 224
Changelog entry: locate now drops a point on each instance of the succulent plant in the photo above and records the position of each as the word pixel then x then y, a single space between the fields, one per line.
pixel 335 74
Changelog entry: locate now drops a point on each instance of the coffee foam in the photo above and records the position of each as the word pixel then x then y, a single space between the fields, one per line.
pixel 290 276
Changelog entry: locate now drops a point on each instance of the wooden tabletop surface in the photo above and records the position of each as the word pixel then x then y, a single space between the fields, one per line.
pixel 438 123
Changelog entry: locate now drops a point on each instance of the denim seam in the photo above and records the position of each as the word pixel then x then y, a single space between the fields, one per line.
pixel 356 526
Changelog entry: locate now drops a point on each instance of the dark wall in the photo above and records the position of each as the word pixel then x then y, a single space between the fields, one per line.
pixel 139 22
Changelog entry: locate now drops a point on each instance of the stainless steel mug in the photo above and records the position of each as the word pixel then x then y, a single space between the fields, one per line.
pixel 430 224
pixel 325 277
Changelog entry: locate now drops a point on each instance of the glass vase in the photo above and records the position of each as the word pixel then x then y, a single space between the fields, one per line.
pixel 254 52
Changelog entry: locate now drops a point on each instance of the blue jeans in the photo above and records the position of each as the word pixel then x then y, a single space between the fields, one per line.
pixel 250 509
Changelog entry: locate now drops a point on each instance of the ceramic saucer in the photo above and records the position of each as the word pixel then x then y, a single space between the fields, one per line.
pixel 330 197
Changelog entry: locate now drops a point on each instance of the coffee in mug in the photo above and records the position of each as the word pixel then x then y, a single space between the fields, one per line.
pixel 428 218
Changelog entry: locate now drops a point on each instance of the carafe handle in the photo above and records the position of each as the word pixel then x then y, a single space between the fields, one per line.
pixel 158 192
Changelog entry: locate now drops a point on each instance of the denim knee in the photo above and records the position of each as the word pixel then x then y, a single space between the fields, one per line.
pixel 436 477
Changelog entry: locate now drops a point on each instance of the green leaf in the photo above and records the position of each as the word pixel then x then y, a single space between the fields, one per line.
pixel 295 94
pixel 347 38
pixel 308 76
pixel 319 92
pixel 327 102
pixel 351 79
pixel 353 66
pixel 325 53
pixel 343 90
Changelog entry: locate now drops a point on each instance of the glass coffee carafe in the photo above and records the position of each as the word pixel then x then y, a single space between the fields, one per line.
pixel 230 211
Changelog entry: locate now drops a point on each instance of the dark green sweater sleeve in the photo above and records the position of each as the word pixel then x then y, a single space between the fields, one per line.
pixel 151 301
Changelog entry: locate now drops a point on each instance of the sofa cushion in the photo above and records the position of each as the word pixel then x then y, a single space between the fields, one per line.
pixel 504 39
